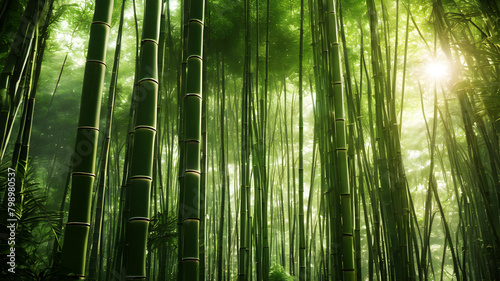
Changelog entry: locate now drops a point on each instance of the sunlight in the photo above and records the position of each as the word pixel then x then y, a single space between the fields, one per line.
pixel 436 69
pixel 174 5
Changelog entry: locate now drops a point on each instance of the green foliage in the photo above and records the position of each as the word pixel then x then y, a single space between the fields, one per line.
pixel 163 231
pixel 10 16
pixel 35 230
pixel 278 273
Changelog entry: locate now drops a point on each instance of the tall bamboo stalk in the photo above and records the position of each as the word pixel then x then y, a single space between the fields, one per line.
pixel 95 263
pixel 74 250
pixel 222 177
pixel 141 169
pixel 302 239
pixel 192 131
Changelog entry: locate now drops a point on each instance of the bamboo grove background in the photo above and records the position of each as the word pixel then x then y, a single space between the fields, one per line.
pixel 252 139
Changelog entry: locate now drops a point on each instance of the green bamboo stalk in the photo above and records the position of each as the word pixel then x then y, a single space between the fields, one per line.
pixel 143 146
pixel 95 263
pixel 204 167
pixel 181 91
pixel 222 177
pixel 18 160
pixel 263 161
pixel 122 245
pixel 229 241
pixel 289 191
pixel 302 240
pixel 243 246
pixel 248 142
pixel 78 225
pixel 192 131
pixel 203 186
pixel 311 193
pixel 374 185
pixel 348 270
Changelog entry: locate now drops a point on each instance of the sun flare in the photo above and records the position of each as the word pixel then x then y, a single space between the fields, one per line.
pixel 436 70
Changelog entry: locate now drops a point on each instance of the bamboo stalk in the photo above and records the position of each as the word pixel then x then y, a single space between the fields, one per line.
pixel 78 225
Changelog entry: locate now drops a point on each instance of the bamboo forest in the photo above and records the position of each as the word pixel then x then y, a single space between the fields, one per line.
pixel 250 140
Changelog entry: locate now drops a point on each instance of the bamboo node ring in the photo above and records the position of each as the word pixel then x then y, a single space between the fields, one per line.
pixel 194 57
pixel 149 40
pixel 83 174
pixel 190 259
pixel 102 22
pixel 78 223
pixel 193 95
pixel 196 20
pixel 145 127
pixel 87 128
pixel 140 177
pixel 97 61
pixel 139 219
pixel 148 79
